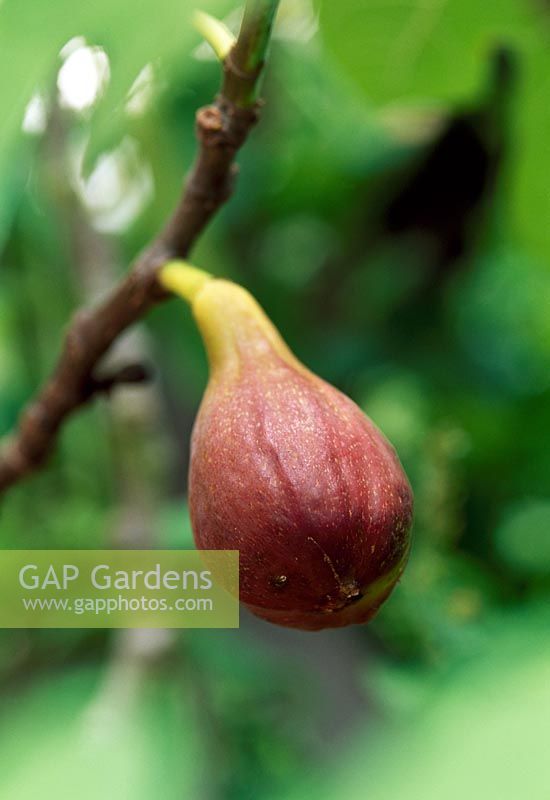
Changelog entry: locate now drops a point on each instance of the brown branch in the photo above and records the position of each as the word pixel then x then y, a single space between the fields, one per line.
pixel 222 129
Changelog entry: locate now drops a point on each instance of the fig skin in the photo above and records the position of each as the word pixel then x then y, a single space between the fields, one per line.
pixel 290 472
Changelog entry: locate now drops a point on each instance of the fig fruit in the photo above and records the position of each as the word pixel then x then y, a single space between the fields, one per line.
pixel 289 471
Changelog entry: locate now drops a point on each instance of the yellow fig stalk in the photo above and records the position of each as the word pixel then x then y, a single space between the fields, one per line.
pixel 289 471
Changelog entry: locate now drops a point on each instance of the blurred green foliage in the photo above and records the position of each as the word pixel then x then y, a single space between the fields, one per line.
pixel 392 217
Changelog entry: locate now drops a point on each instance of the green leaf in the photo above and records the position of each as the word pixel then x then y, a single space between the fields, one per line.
pixel 133 34
pixel 437 51
pixel 422 49
pixel 529 162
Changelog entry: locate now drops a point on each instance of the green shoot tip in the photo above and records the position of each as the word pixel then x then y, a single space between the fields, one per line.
pixel 218 35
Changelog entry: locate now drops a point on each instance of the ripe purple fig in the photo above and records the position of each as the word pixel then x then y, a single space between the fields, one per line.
pixel 289 471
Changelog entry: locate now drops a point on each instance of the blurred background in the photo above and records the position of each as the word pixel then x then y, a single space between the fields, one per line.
pixel 393 217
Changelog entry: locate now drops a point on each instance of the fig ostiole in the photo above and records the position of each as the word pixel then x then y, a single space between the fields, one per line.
pixel 288 471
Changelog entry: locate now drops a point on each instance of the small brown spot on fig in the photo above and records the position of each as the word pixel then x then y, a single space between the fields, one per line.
pixel 278 581
pixel 356 598
pixel 349 590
